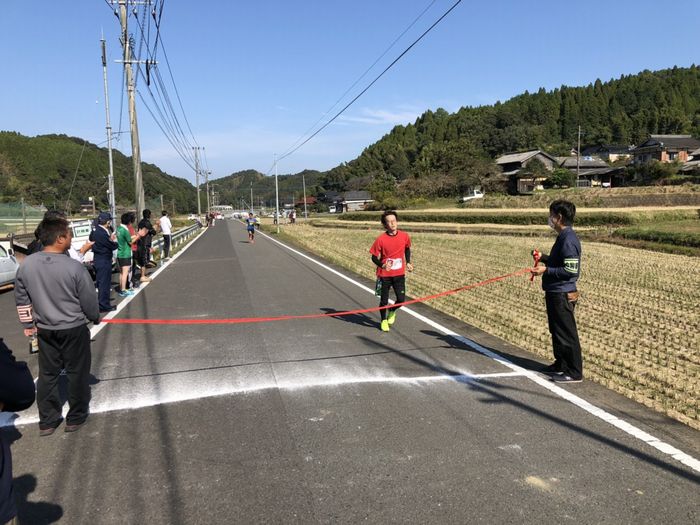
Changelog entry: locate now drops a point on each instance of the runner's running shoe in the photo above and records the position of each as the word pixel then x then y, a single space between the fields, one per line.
pixel 385 325
pixel 391 317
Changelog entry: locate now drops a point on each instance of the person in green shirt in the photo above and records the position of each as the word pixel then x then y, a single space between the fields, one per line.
pixel 125 240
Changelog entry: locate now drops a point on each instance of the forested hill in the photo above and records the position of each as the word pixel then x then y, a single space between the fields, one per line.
pixel 42 169
pixel 442 151
pixel 237 186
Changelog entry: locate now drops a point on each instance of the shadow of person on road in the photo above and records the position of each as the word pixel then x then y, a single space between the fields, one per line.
pixel 524 362
pixel 493 392
pixel 358 319
pixel 33 512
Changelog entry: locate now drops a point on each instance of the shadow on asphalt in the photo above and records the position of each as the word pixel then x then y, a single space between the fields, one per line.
pixel 358 319
pixel 524 362
pixel 34 512
pixel 496 393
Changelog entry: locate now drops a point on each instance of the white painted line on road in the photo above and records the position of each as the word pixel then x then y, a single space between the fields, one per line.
pixel 226 383
pixel 598 412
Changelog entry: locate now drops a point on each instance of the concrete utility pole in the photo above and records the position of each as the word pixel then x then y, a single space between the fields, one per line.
pixel 578 156
pixel 251 197
pixel 303 181
pixel 161 202
pixel 277 197
pixel 207 173
pixel 133 122
pixel 196 176
pixel 112 196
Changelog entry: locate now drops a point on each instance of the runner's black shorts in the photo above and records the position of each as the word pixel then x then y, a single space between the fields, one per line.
pixel 124 261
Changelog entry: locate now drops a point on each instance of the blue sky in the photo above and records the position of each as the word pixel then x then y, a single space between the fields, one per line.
pixel 254 76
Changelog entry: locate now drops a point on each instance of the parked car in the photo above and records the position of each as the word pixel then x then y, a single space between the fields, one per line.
pixel 8 266
pixel 476 194
pixel 191 217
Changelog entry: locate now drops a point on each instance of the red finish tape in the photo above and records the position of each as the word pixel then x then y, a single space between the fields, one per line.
pixel 245 320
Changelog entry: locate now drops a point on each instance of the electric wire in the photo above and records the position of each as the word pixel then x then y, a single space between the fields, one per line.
pixel 363 75
pixel 290 152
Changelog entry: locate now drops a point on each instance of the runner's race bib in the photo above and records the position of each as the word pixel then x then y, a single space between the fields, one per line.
pixel 395 264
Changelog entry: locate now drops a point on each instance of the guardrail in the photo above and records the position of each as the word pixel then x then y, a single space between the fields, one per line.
pixel 177 238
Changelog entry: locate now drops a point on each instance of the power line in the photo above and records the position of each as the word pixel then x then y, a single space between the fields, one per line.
pixel 373 82
pixel 363 74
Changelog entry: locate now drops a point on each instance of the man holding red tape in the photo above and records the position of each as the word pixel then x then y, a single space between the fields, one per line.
pixel 391 253
pixel 559 276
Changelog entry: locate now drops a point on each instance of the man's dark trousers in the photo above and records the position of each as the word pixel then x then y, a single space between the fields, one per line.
pixel 69 349
pixel 166 245
pixel 103 271
pixel 398 283
pixel 562 326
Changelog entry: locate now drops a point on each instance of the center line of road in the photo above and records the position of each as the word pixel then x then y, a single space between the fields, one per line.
pixel 598 412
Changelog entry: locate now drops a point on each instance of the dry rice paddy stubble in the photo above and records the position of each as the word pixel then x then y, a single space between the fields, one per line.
pixel 638 318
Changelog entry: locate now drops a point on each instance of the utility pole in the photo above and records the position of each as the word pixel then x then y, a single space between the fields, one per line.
pixel 207 173
pixel 303 181
pixel 131 89
pixel 196 175
pixel 578 156
pixel 94 211
pixel 251 197
pixel 277 197
pixel 24 217
pixel 112 196
pixel 161 202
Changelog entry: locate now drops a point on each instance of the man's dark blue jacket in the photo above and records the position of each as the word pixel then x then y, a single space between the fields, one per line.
pixel 103 247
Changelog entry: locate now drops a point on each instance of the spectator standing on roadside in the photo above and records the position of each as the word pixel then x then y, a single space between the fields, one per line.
pixel 16 393
pixel 559 276
pixel 125 239
pixel 391 253
pixel 166 229
pixel 144 244
pixel 56 293
pixel 105 244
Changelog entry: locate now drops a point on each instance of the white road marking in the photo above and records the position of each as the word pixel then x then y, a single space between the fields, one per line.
pixel 623 425
pixel 156 390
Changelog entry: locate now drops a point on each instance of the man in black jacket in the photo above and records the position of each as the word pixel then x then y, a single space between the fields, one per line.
pixel 16 393
pixel 559 276
pixel 144 244
pixel 105 244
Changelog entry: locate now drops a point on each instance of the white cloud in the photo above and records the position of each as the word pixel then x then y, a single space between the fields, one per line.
pixel 402 115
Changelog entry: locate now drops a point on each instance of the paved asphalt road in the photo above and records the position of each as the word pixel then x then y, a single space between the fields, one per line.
pixel 329 420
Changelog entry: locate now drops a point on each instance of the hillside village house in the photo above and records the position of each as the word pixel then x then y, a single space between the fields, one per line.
pixel 593 171
pixel 609 152
pixel 693 163
pixel 666 148
pixel 514 167
pixel 355 200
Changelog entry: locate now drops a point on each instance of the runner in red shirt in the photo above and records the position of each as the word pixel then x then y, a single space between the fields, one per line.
pixel 391 252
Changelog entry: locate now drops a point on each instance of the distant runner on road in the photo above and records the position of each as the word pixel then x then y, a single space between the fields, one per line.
pixel 391 253
pixel 250 223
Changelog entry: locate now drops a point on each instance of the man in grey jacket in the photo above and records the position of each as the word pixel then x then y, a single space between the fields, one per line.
pixel 56 293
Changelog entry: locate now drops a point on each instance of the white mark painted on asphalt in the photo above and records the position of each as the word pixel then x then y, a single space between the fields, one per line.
pixel 176 388
pixel 626 427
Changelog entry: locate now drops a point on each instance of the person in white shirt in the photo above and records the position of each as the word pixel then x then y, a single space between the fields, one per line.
pixel 166 229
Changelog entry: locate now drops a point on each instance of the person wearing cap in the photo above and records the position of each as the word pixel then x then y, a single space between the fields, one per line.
pixel 105 244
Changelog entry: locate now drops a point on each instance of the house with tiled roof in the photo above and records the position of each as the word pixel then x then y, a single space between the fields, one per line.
pixel 666 148
pixel 521 180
